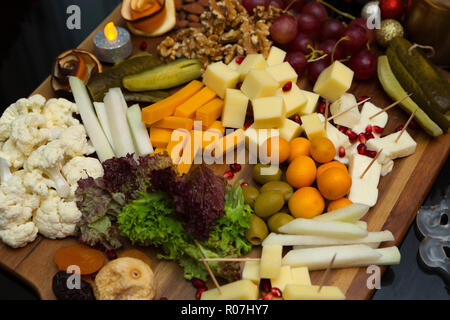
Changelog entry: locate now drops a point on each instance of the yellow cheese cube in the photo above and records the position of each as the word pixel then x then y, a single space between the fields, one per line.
pixel 238 290
pixel 258 84
pixel 251 61
pixel 174 123
pixel 283 279
pixel 334 81
pixel 270 265
pixel 226 144
pixel 313 126
pixel 218 77
pixel 210 112
pixel 251 271
pixel 268 112
pixel 283 73
pixel 300 275
pixel 254 139
pixel 276 56
pixel 294 100
pixel 234 109
pixel 290 130
pixel 311 103
pixel 233 65
pixel 299 292
pixel 160 137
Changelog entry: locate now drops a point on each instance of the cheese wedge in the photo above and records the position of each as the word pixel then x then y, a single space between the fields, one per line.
pixel 404 147
pixel 251 61
pixel 218 77
pixel 350 118
pixel 258 84
pixel 251 272
pixel 238 290
pixel 235 109
pixel 270 265
pixel 302 292
pixel 334 81
pixel 276 56
pixel 294 100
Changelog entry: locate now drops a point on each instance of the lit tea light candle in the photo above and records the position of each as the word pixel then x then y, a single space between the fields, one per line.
pixel 112 44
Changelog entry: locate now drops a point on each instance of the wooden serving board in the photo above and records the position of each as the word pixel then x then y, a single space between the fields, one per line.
pixel 401 194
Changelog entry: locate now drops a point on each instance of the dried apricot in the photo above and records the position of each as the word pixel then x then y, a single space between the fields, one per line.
pixel 87 259
pixel 137 254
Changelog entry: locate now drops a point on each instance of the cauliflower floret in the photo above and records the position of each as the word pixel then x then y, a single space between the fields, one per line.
pixel 20 235
pixel 49 158
pixel 27 132
pixel 58 113
pixel 10 152
pixel 36 182
pixel 56 218
pixel 76 139
pixel 81 168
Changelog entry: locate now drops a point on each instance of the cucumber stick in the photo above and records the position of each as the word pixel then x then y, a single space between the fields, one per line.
pixel 90 120
pixel 139 131
pixel 102 117
pixel 393 88
pixel 118 124
pixel 165 76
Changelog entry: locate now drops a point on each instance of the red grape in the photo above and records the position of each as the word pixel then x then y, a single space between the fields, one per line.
pixel 298 61
pixel 296 6
pixel 363 64
pixel 331 29
pixel 327 47
pixel 301 42
pixel 275 3
pixel 284 29
pixel 356 41
pixel 315 69
pixel 250 5
pixel 316 9
pixel 307 23
pixel 362 22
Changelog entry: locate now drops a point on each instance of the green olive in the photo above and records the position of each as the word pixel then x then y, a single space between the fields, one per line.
pixel 257 232
pixel 263 173
pixel 250 195
pixel 278 220
pixel 280 186
pixel 268 203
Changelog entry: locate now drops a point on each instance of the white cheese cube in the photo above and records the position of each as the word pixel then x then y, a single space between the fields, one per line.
pixel 360 193
pixel 350 118
pixel 313 126
pixel 387 168
pixel 234 109
pixel 283 73
pixel 290 130
pixel 405 146
pixel 368 110
pixel 294 100
pixel 251 272
pixel 276 56
pixel 218 77
pixel 283 279
pixel 238 290
pixel 334 81
pixel 268 112
pixel 299 292
pixel 270 265
pixel 251 61
pixel 358 164
pixel 258 84
pixel 300 275
pixel 311 103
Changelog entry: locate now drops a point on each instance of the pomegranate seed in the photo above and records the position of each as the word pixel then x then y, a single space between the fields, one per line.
pixel 297 119
pixel 361 98
pixel 369 135
pixel 399 128
pixel 111 254
pixel 352 136
pixel 413 125
pixel 362 138
pixel 341 152
pixel 143 46
pixel 197 283
pixel 235 167
pixel 369 128
pixel 322 107
pixel 239 60
pixel 370 153
pixel 361 148
pixel 287 87
pixel 244 184
pixel 378 129
pixel 163 298
pixel 342 129
pixel 228 175
pixel 239 85
pixel 267 296
pixel 199 293
pixel 265 285
pixel 276 292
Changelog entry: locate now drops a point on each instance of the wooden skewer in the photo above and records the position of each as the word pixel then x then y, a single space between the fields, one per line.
pixel 230 259
pixel 209 270
pixel 326 274
pixel 406 125
pixel 326 113
pixel 390 106
pixel 348 109
pixel 371 163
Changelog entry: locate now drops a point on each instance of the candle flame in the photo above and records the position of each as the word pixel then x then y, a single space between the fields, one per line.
pixel 110 31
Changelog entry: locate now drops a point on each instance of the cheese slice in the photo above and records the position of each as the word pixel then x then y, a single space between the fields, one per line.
pixel 294 100
pixel 334 81
pixel 174 123
pixel 238 290
pixel 218 77
pixel 365 190
pixel 301 292
pixel 188 108
pixel 270 265
pixel 350 118
pixel 251 272
pixel 209 112
pixel 404 147
pixel 276 56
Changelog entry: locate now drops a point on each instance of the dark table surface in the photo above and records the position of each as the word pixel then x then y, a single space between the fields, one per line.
pixel 34 32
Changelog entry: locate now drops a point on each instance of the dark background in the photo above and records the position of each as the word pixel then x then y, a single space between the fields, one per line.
pixel 34 32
